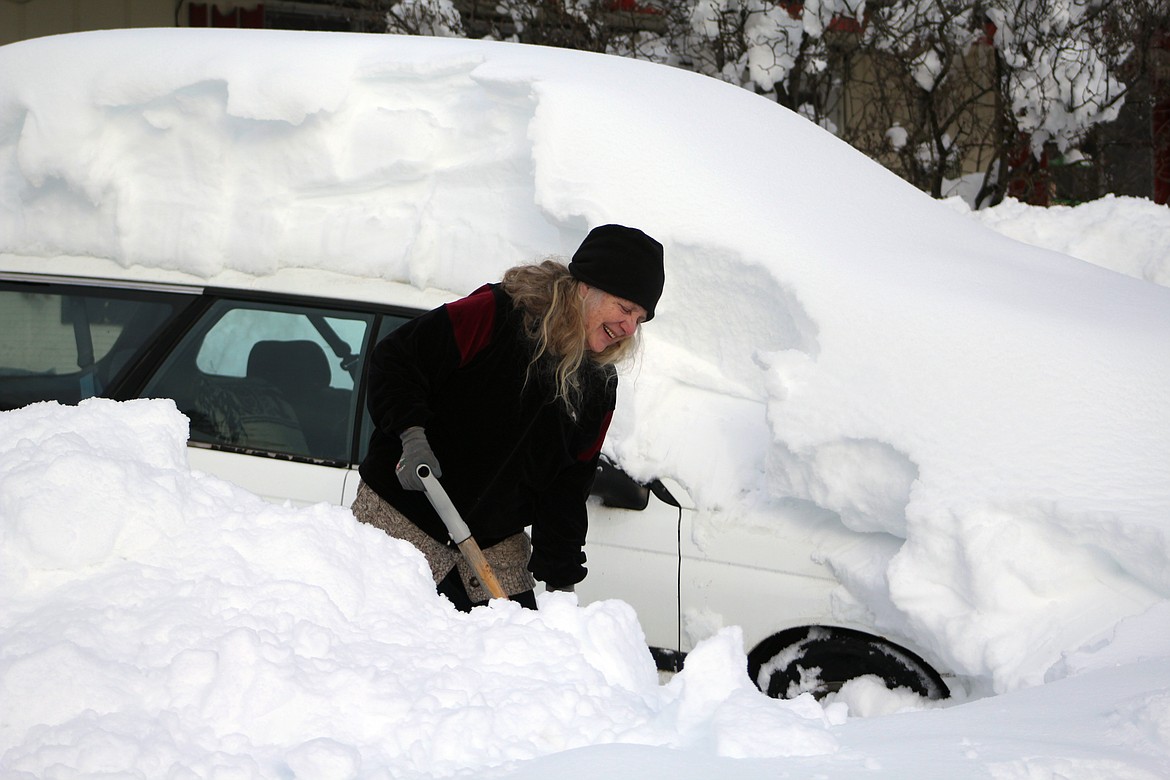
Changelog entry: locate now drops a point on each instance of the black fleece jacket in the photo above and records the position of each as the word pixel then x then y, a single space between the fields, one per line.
pixel 510 455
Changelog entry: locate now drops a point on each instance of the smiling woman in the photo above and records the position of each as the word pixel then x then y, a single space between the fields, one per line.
pixel 609 320
pixel 510 391
pixel 620 270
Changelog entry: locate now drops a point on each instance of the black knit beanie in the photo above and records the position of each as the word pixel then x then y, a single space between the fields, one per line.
pixel 622 261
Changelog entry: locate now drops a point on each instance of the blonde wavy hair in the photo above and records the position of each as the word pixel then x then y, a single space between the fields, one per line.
pixel 554 318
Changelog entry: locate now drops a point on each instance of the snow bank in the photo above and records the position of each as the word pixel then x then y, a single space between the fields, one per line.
pixel 1124 234
pixel 159 622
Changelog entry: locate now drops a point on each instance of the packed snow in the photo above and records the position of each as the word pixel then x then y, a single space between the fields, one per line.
pixel 989 422
pixel 1128 235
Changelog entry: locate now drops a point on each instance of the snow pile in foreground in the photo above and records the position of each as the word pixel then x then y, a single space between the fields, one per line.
pixel 163 622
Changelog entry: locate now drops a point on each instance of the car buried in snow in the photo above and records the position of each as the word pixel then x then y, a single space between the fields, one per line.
pixel 179 221
pixel 272 380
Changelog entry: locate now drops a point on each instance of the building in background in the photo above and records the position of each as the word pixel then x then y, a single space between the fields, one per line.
pixel 21 19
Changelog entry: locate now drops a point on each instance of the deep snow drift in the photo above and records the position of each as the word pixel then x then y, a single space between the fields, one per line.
pixel 163 623
pixel 990 421
pixel 166 620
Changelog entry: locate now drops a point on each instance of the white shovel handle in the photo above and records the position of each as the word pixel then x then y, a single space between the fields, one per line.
pixel 442 504
pixel 460 533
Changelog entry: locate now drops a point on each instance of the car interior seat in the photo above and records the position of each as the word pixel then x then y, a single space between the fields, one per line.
pixel 300 370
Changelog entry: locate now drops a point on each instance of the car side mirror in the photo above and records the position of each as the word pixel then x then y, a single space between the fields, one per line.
pixel 618 489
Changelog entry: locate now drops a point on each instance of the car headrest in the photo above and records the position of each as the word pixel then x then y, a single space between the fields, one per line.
pixel 289 364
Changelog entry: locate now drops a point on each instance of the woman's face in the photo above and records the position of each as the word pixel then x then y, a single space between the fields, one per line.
pixel 608 318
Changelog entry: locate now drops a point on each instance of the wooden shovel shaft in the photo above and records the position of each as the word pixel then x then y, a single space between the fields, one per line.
pixel 482 568
pixel 460 533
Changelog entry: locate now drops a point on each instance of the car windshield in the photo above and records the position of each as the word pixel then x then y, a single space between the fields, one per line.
pixel 70 343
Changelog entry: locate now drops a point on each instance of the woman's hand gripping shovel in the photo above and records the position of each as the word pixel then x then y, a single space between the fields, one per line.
pixel 460 533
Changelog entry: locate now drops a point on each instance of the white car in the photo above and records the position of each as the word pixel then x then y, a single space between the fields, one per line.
pixel 871 400
pixel 272 379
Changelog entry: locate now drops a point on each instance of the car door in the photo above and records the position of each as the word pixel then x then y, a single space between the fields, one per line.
pixel 632 553
pixel 272 389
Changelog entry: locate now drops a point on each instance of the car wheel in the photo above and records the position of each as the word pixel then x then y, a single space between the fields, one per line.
pixel 821 659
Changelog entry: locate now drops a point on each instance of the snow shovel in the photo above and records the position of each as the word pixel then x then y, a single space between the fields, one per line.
pixel 460 533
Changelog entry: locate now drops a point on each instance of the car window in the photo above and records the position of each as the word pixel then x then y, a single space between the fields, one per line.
pixel 65 343
pixel 269 378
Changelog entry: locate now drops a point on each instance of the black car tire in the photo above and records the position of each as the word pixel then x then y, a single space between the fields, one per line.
pixel 821 659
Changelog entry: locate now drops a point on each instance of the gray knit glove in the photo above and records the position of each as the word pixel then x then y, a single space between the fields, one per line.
pixel 416 451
